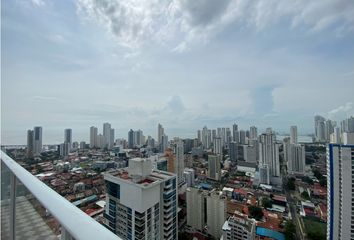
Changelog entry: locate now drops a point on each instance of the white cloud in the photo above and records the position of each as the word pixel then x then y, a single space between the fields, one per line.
pixel 178 23
pixel 38 2
pixel 57 39
pixel 342 111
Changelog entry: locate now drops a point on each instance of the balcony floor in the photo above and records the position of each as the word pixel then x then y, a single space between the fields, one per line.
pixel 29 224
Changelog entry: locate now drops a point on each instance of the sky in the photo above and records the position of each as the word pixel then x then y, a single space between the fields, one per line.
pixel 185 64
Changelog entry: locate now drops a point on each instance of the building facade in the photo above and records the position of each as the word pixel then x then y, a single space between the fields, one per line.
pixel 340 193
pixel 239 227
pixel 141 203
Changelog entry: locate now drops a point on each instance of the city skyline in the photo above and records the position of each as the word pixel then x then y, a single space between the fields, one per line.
pixel 184 69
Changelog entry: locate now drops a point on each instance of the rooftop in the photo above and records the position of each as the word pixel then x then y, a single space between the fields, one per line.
pixel 139 172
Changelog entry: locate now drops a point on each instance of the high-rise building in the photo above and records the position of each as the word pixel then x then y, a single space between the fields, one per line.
pixel 242 137
pixel 206 210
pixel 205 142
pixel 296 158
pixel 141 203
pixel 101 141
pixel 160 132
pixel 199 136
pixel 139 139
pixel 171 160
pixel 93 137
pixel 269 153
pixel 293 134
pixel 30 144
pixel 64 149
pixel 131 138
pixel 150 142
pixel 82 145
pixel 335 137
pixel 239 227
pixel 286 144
pixel 37 142
pixel 216 213
pixel 235 135
pixel 68 137
pixel 107 136
pixel 214 170
pixel 217 149
pixel 250 153
pixel 340 193
pixel 196 212
pixel 347 125
pixel 329 129
pixel 189 176
pixel 348 138
pixel 264 177
pixel 179 152
pixel 233 151
pixel 320 128
pixel 164 143
pixel 111 142
pixel 253 133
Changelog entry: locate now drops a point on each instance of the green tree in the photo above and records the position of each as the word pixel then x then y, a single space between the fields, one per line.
pixel 315 233
pixel 290 185
pixel 323 182
pixel 305 195
pixel 289 231
pixel 266 202
pixel 255 212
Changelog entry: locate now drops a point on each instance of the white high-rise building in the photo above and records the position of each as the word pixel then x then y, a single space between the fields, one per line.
pixel 216 213
pixel 320 128
pixel 111 142
pixel 189 176
pixel 101 141
pixel 107 135
pixel 199 136
pixel 205 142
pixel 164 143
pixel 329 129
pixel 160 133
pixel 217 149
pixel 206 210
pixel 141 203
pixel 37 141
pixel 293 134
pixel 195 208
pixel 93 137
pixel 250 153
pixel 347 125
pixel 296 158
pixel 239 227
pixel 253 133
pixel 348 138
pixel 214 171
pixel 269 153
pixel 264 176
pixel 340 192
pixel 335 137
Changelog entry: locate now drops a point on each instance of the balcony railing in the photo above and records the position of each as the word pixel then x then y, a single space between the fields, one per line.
pixel 75 224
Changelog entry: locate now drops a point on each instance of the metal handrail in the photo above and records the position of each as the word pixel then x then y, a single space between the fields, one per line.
pixel 76 222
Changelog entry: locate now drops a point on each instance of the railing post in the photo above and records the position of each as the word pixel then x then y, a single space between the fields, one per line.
pixel 12 206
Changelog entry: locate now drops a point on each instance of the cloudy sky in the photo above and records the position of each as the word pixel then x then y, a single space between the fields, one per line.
pixel 186 64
